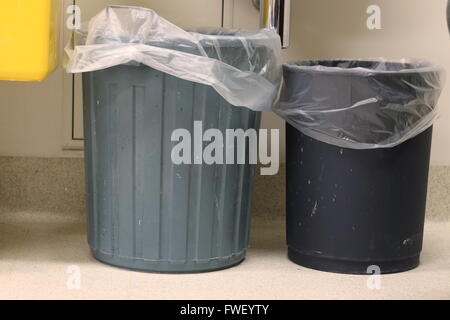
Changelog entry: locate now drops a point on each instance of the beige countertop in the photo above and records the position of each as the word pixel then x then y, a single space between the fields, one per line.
pixel 41 253
pixel 43 246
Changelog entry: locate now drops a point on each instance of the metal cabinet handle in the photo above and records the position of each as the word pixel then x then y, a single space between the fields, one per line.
pixel 276 14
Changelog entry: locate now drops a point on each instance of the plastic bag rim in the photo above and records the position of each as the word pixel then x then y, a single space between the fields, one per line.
pixel 195 32
pixel 353 145
pixel 120 35
pixel 257 41
pixel 318 125
pixel 424 67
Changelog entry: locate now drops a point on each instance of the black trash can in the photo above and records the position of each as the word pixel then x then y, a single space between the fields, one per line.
pixel 358 149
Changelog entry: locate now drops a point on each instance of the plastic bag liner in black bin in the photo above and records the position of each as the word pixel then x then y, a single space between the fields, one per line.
pixel 358 149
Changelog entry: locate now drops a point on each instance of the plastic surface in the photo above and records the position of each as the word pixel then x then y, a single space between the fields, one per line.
pixel 448 15
pixel 361 104
pixel 144 212
pixel 249 77
pixel 28 39
pixel 348 210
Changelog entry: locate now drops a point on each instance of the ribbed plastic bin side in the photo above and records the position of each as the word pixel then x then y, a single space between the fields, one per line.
pixel 144 212
pixel 349 210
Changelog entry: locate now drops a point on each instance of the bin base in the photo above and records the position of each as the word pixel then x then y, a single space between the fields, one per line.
pixel 169 267
pixel 351 267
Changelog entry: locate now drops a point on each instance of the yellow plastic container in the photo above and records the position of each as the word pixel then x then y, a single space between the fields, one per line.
pixel 28 39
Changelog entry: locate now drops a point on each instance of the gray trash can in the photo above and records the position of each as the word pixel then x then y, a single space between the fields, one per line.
pixel 144 212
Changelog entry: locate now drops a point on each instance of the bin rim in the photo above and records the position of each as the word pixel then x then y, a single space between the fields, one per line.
pixel 202 33
pixel 121 34
pixel 381 103
pixel 410 67
pixel 203 36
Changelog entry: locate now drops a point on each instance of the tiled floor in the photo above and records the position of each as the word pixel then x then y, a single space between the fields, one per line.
pixel 38 250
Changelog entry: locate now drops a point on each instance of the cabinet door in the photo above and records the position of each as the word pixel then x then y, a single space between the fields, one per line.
pixel 185 13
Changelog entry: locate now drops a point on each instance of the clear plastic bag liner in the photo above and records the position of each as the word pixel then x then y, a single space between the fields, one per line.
pixel 244 67
pixel 361 104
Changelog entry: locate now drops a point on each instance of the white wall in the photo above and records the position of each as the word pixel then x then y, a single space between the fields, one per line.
pixel 31 117
pixel 31 120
